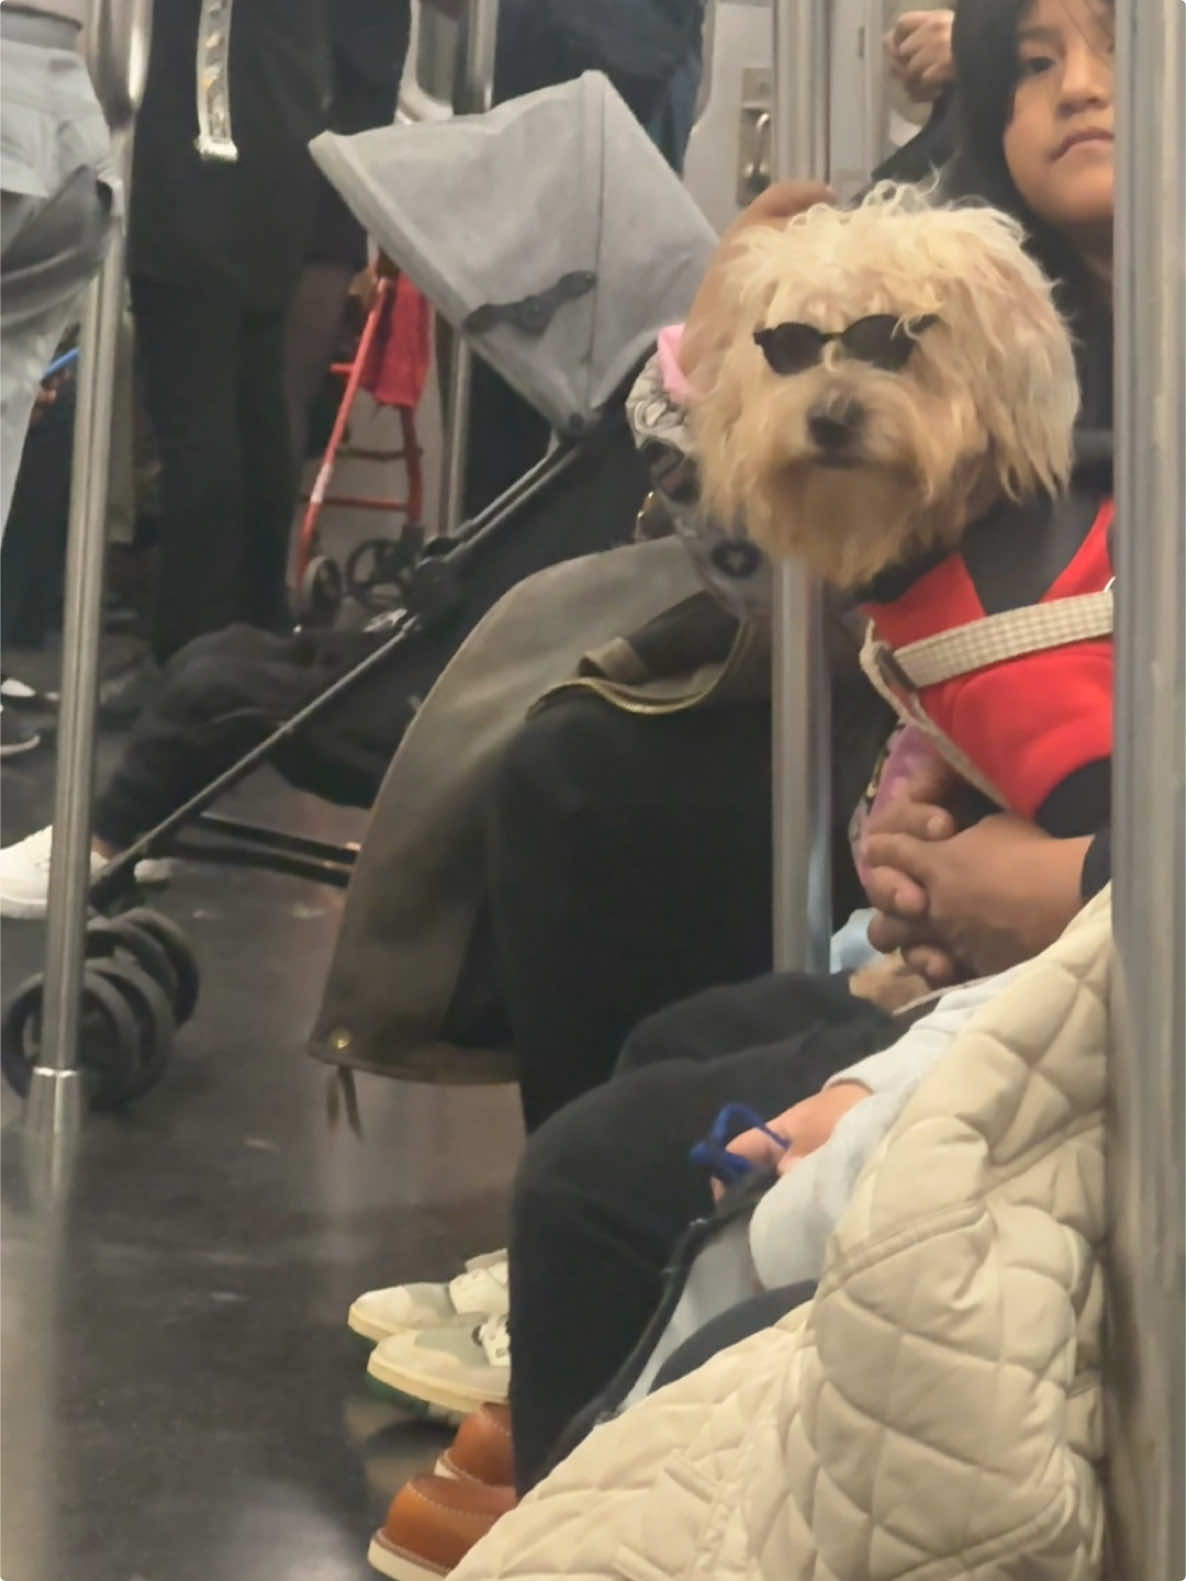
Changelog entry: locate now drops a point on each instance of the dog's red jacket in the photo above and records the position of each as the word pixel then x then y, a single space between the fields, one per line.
pixel 1033 722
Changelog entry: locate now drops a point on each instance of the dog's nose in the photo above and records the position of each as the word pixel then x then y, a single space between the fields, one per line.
pixel 835 427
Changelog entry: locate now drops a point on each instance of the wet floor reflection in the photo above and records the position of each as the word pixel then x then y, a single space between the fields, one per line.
pixel 182 1401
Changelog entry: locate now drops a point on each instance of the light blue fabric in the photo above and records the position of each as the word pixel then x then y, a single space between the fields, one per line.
pixel 790 1227
pixel 850 944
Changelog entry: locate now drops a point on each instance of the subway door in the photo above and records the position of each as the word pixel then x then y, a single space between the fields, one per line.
pixel 728 160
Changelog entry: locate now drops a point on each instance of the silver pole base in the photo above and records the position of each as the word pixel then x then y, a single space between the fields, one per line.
pixel 55 1103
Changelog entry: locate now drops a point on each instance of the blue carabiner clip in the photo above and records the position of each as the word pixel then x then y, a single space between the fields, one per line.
pixel 712 1153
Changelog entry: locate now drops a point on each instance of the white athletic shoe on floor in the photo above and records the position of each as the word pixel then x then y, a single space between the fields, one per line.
pixel 480 1292
pixel 24 874
pixel 453 1369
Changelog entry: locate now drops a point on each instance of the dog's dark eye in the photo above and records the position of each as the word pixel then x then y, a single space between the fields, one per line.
pixel 791 348
pixel 884 340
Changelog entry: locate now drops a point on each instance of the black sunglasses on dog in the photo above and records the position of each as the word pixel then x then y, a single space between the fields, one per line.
pixel 883 339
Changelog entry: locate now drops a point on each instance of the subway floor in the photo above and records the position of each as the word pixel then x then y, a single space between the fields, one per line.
pixel 181 1398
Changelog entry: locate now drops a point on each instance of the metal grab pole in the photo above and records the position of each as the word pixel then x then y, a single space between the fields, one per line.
pixel 118 38
pixel 473 93
pixel 801 709
pixel 1147 1181
pixel 873 71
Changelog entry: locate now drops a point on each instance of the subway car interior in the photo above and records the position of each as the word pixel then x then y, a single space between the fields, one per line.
pixel 589 990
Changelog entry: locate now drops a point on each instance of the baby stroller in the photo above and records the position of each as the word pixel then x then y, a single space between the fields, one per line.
pixel 554 236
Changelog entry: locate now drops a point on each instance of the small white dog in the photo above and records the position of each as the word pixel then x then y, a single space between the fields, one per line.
pixel 893 403
pixel 895 370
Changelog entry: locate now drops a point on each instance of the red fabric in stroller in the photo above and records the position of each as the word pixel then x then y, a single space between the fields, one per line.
pixel 399 357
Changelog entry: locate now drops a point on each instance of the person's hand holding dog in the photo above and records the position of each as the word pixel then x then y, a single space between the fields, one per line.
pixel 919 51
pixel 972 902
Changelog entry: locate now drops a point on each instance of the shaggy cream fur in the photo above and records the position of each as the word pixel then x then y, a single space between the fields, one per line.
pixel 982 409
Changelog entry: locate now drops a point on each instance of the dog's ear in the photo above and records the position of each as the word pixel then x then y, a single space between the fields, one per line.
pixel 1011 347
pixel 728 380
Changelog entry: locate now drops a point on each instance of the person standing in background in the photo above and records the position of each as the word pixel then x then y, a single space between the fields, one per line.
pixel 56 204
pixel 214 255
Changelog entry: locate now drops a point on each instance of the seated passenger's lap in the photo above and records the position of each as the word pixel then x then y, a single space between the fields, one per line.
pixel 605 1187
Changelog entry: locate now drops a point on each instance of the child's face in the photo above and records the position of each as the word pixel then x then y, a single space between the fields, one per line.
pixel 1059 143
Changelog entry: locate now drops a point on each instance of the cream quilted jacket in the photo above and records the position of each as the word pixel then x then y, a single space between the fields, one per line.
pixel 935 1412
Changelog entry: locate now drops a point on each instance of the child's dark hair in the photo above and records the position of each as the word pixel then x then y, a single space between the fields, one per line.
pixel 988 67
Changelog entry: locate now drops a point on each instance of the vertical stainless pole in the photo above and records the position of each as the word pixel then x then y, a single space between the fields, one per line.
pixel 800 693
pixel 118 38
pixel 873 71
pixel 473 93
pixel 1147 1180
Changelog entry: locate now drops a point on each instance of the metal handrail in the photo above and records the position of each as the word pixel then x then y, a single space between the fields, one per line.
pixel 118 34
pixel 473 93
pixel 1147 1179
pixel 457 58
pixel 873 73
pixel 801 712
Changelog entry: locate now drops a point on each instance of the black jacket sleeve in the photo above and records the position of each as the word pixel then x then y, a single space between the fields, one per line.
pixel 1097 864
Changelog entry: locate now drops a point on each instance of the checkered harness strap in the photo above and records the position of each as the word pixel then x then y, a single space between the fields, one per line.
pixel 900 674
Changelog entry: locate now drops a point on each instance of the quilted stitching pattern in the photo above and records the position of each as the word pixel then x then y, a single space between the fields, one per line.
pixel 934 1414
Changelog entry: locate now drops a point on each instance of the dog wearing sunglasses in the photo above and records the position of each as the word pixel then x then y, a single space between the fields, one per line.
pixel 894 405
pixel 895 369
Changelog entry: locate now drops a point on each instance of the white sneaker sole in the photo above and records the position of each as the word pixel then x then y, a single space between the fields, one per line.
pixel 17 909
pixel 399 1564
pixel 367 1328
pixel 448 1396
pixel 18 749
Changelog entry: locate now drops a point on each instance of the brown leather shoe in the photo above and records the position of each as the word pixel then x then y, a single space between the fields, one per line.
pixel 432 1524
pixel 482 1450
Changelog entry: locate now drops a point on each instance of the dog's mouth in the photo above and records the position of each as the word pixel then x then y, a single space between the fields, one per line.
pixel 837 463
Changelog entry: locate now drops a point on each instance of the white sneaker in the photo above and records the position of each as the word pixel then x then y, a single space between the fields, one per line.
pixel 481 1291
pixel 24 875
pixel 454 1369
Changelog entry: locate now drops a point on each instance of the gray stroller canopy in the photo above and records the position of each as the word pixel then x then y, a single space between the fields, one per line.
pixel 551 230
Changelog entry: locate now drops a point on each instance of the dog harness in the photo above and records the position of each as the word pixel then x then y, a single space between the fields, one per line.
pixel 1018 698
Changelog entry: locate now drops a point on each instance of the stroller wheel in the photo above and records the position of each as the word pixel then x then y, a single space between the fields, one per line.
pixel 378 568
pixel 108 1040
pixel 172 939
pixel 319 597
pixel 154 1019
pixel 120 939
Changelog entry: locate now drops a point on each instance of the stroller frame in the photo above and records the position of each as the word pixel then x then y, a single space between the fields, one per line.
pixel 430 593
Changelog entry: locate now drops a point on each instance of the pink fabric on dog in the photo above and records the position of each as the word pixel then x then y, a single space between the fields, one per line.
pixel 909 752
pixel 675 380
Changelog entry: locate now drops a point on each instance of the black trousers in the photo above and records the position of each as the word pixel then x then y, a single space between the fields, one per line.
pixel 223 694
pixel 214 391
pixel 605 1187
pixel 629 866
